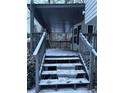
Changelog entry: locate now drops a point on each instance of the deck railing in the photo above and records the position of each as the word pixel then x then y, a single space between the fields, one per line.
pixel 60 44
pixel 89 57
pixel 39 55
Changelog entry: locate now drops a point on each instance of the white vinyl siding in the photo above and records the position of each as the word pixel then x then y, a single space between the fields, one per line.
pixel 90 10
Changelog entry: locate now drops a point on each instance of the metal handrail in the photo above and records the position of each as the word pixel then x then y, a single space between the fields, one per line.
pixel 89 46
pixel 39 44
pixel 39 55
pixel 84 45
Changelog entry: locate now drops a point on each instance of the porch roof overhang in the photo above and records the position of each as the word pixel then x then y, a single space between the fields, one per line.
pixel 58 17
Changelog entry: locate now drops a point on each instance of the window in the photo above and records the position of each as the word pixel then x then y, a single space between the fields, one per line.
pixel 90 31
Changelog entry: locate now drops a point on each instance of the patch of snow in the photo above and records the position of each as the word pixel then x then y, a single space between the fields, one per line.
pixel 67 90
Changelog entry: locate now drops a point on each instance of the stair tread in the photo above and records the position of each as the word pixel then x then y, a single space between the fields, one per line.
pixel 60 52
pixel 63 72
pixel 64 81
pixel 63 58
pixel 63 64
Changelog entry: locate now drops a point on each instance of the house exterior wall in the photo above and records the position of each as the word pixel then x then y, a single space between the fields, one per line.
pixel 90 11
pixel 84 28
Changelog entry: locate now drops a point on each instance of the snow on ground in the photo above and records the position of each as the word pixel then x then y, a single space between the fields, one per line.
pixel 63 90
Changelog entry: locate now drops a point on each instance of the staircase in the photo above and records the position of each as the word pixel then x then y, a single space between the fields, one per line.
pixel 62 68
pixel 58 68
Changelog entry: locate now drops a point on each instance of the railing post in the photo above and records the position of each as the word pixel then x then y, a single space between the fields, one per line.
pixel 37 74
pixel 60 43
pixel 72 38
pixel 79 44
pixel 91 69
pixel 45 42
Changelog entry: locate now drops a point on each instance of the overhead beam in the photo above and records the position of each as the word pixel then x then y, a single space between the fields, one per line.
pixel 58 5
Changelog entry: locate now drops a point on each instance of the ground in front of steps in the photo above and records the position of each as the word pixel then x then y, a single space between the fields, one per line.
pixel 64 90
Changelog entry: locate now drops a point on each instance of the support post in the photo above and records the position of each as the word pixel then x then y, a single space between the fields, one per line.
pixel 91 61
pixel 31 25
pixel 66 1
pixel 49 1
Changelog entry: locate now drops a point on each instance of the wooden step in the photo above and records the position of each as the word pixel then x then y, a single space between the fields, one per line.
pixel 62 58
pixel 63 81
pixel 62 65
pixel 64 72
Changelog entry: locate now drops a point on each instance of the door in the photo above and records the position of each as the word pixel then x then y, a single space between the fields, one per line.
pixel 75 37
